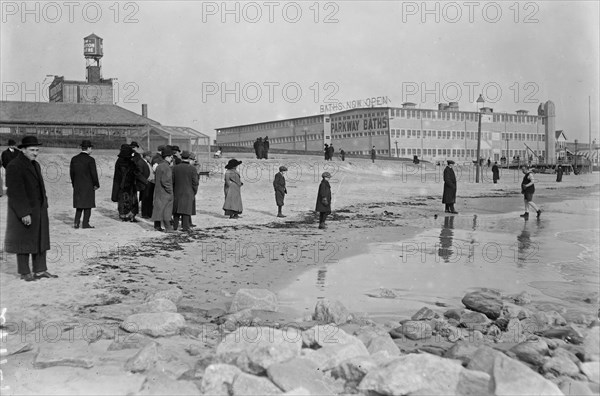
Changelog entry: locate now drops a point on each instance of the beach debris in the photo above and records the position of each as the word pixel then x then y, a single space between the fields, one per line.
pixel 566 333
pixel 331 311
pixel 261 299
pixel 486 301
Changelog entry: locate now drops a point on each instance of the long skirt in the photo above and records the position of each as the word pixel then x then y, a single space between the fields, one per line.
pixel 128 205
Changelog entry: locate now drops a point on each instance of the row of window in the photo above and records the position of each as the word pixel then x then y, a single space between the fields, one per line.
pixel 441 152
pixel 271 125
pixel 340 135
pixel 279 140
pixel 469 135
pixel 62 131
pixel 461 116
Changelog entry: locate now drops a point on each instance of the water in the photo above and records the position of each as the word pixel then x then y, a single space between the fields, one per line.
pixel 554 258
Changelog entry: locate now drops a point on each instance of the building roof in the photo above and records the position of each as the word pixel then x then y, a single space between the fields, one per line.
pixel 69 114
pixel 174 132
pixel 558 133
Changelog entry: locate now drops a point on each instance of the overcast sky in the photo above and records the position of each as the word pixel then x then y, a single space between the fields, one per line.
pixel 286 59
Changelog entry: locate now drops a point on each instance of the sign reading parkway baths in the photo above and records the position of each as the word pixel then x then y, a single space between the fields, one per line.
pixel 354 125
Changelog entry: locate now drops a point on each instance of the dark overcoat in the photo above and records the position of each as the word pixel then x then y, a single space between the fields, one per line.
pixel 449 196
pixel 233 193
pixel 142 173
pixel 163 193
pixel 8 156
pixel 84 178
pixel 495 172
pixel 324 197
pixel 280 190
pixel 26 196
pixel 185 187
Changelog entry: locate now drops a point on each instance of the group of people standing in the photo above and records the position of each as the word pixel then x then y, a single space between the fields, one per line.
pixel 261 148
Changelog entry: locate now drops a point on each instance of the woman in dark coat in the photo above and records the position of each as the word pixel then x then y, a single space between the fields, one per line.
pixel 232 188
pixel 323 205
pixel 280 190
pixel 124 191
pixel 449 196
pixel 495 172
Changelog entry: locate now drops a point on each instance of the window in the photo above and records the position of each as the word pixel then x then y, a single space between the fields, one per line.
pixel 402 132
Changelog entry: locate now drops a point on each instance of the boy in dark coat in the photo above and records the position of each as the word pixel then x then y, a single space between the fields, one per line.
pixel 27 226
pixel 323 205
pixel 449 196
pixel 280 190
pixel 185 187
pixel 84 178
pixel 495 172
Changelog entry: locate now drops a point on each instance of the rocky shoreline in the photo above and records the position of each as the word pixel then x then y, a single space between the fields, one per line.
pixel 493 345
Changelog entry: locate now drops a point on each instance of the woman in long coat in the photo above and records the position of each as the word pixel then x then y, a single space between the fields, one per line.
pixel 449 196
pixel 232 188
pixel 323 205
pixel 162 209
pixel 124 191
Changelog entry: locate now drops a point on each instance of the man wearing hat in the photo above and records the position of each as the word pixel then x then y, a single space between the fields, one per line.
pixel 280 190
pixel 27 228
pixel 449 196
pixel 148 193
pixel 323 205
pixel 158 156
pixel 143 173
pixel 10 153
pixel 162 205
pixel 373 154
pixel 176 155
pixel 185 187
pixel 84 179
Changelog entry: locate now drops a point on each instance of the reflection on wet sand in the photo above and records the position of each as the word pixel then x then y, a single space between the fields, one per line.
pixel 321 277
pixel 525 248
pixel 446 234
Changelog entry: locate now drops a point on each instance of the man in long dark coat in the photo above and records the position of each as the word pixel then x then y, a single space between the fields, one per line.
pixel 84 178
pixel 148 193
pixel 125 178
pixel 495 172
pixel 326 152
pixel 373 154
pixel 449 197
pixel 143 171
pixel 27 228
pixel 10 153
pixel 185 187
pixel 559 173
pixel 342 154
pixel 256 148
pixel 331 151
pixel 280 190
pixel 266 146
pixel 261 148
pixel 163 193
pixel 323 205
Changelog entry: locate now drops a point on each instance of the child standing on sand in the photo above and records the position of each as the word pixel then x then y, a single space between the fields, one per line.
pixel 527 189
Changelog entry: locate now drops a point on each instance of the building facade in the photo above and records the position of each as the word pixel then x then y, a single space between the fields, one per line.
pixel 432 135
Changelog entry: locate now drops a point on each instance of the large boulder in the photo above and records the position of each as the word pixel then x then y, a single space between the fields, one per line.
pixel 157 305
pixel 353 370
pixel 174 294
pixel 246 384
pixel 254 349
pixel 328 311
pixel 72 354
pixel 261 299
pixel 532 352
pixel 425 374
pixel 300 373
pixel 383 343
pixel 332 356
pixel 562 362
pixel 592 371
pixel 218 379
pixel 159 324
pixel 324 335
pixel 486 301
pixel 416 329
pixel 463 351
pixel 424 313
pixel 474 321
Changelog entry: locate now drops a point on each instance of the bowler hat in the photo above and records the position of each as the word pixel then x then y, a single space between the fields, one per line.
pixel 175 148
pixel 232 163
pixel 326 174
pixel 185 154
pixel 11 142
pixel 86 144
pixel 450 162
pixel 29 141
pixel 161 148
pixel 134 144
pixel 282 169
pixel 166 152
pixel 125 152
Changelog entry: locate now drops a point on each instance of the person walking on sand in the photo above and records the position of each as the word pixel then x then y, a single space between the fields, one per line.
pixel 323 205
pixel 495 172
pixel 280 190
pixel 27 224
pixel 232 188
pixel 373 154
pixel 559 173
pixel 123 191
pixel 528 189
pixel 185 187
pixel 84 179
pixel 342 155
pixel 162 204
pixel 449 195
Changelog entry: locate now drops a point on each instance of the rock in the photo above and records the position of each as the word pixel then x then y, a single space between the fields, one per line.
pixel 157 305
pixel 327 311
pixel 591 344
pixel 451 333
pixel 144 359
pixel 366 334
pixel 533 352
pixel 218 379
pixel 333 355
pixel 493 332
pixel 246 384
pixel 566 333
pixel 462 351
pixel 555 318
pixel 300 373
pixel 486 301
pixel 71 354
pixel 262 299
pixel 538 322
pixel 323 335
pixel 159 384
pixel 254 349
pixel 416 330
pixel 159 324
pixel 353 370
pixel 575 388
pixel 424 313
pixel 591 370
pixel 130 341
pixel 297 392
pixel 561 363
pixel 425 374
pixel 510 311
pixel 383 343
pixel 522 298
pixel 475 321
pixel 454 314
pixel 174 294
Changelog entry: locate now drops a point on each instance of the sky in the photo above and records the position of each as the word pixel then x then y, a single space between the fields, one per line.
pixel 208 64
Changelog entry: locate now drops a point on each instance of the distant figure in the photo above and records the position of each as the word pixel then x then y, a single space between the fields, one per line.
pixel 323 205
pixel 266 146
pixel 342 154
pixel 185 187
pixel 218 153
pixel 559 173
pixel 162 204
pixel 280 190
pixel 495 172
pixel 415 160
pixel 449 196
pixel 84 178
pixel 10 153
pixel 528 189
pixel 233 194
pixel 489 162
pixel 331 150
pixel 256 148
pixel 326 152
pixel 261 148
pixel 373 154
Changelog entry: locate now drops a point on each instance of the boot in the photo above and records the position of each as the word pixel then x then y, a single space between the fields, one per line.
pixel 525 215
pixel 169 228
pixel 76 224
pixel 539 212
pixel 452 210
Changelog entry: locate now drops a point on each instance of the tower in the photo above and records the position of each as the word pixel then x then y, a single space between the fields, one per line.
pixel 550 114
pixel 92 51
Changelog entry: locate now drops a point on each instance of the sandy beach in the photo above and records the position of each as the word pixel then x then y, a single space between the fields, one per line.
pixel 387 231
